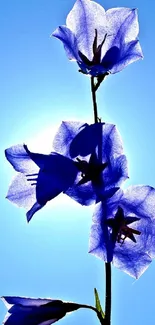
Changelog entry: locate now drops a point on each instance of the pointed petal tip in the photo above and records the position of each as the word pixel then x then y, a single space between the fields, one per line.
pixel 28 217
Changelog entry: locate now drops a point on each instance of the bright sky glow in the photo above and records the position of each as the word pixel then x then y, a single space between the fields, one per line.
pixel 39 88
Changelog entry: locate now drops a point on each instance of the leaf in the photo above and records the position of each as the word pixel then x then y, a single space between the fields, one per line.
pixel 97 303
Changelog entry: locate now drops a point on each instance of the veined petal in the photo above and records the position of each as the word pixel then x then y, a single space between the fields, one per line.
pixel 123 26
pixel 140 199
pixel 112 145
pixel 83 19
pixel 20 159
pixel 100 244
pixel 76 138
pixel 133 264
pixel 83 194
pixel 65 134
pixel 131 256
pixel 102 42
pixel 25 301
pixel 67 37
pixel 117 172
pixel 129 53
pixel 21 192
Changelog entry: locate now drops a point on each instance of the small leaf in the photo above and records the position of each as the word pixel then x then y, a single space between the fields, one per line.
pixel 97 303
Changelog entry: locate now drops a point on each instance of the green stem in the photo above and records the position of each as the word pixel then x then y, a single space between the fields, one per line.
pixel 93 91
pixel 96 311
pixel 108 294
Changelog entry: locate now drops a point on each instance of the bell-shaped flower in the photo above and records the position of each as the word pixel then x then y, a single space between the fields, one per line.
pixel 30 311
pixel 98 155
pixel 100 41
pixel 123 229
pixel 40 177
pixel 87 165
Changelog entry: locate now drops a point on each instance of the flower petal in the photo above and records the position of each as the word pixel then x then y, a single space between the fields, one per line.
pixel 122 25
pixel 67 37
pixel 61 176
pixel 83 194
pixel 86 141
pixel 23 311
pixel 20 160
pixel 25 301
pixel 21 192
pixel 99 242
pixel 83 19
pixel 133 264
pixel 56 174
pixel 129 53
pixel 36 207
pixel 140 199
pixel 65 134
pixel 133 257
pixel 117 173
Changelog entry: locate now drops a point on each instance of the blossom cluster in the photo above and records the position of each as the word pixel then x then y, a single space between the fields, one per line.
pixel 89 166
pixel 87 162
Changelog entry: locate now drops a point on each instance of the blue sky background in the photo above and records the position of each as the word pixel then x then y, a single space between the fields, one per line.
pixel 39 89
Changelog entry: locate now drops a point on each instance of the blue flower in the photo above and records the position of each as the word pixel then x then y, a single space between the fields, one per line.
pixel 28 311
pixel 40 177
pixel 98 155
pixel 100 41
pixel 123 230
pixel 87 165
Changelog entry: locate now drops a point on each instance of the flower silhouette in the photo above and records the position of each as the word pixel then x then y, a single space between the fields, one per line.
pixel 100 41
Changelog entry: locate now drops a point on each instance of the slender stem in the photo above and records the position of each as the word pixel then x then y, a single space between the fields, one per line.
pixel 94 99
pixel 96 311
pixel 108 294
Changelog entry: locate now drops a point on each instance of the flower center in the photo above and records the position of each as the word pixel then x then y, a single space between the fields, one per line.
pixel 89 171
pixel 120 229
pixel 96 52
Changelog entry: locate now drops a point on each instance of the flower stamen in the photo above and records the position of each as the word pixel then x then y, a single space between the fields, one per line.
pixel 32 178
pixel 120 229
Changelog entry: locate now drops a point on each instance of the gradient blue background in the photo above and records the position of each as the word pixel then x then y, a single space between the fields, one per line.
pixel 39 88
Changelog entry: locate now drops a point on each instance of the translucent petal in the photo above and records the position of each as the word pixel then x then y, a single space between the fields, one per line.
pixel 137 202
pixel 73 139
pixel 83 19
pixel 129 53
pixel 140 199
pixel 122 25
pixel 117 172
pixel 20 160
pixel 100 244
pixel 65 134
pixel 21 192
pixel 133 264
pixel 26 301
pixel 69 41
